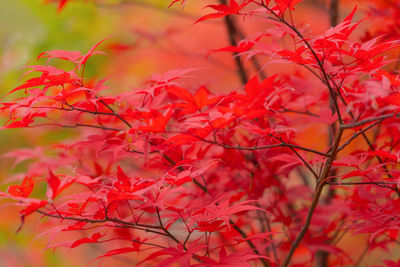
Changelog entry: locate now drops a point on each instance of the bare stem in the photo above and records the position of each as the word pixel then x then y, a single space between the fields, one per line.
pixel 317 194
pixel 325 75
pixel 237 228
pixel 357 134
pixel 231 33
pixel 267 147
pixel 368 120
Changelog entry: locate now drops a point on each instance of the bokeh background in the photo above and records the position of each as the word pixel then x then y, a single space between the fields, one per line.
pixel 146 38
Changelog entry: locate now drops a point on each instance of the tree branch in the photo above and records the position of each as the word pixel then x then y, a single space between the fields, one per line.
pixel 267 147
pixel 357 134
pixel 231 32
pixel 368 120
pixel 320 65
pixel 106 219
pixel 237 228
pixel 362 183
pixel 317 194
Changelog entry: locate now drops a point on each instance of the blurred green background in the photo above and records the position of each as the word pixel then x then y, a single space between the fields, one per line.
pixel 27 28
pixel 146 38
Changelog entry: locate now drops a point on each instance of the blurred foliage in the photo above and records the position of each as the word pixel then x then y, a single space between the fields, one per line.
pixel 29 27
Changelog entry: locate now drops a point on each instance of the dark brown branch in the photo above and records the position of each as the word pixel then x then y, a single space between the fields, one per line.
pixel 106 219
pixel 232 31
pixel 104 103
pixel 319 62
pixel 253 59
pixel 301 158
pixel 115 114
pixel 357 134
pixel 267 147
pixel 371 147
pixel 362 183
pixel 237 228
pixel 165 230
pixel 305 162
pixel 368 120
pixel 273 245
pixel 90 126
pixel 139 152
pixel 87 111
pixel 322 256
pixel 317 194
pixel 244 235
pixel 334 12
pixel 362 255
pixel 307 112
pixel 149 244
pixel 313 72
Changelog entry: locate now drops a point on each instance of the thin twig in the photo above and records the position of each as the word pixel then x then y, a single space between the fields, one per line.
pixel 106 219
pixel 320 64
pixel 368 120
pixel 242 73
pixel 267 147
pixel 301 158
pixel 237 228
pixel 165 229
pixel 317 194
pixel 357 134
pixel 361 183
pixel 116 114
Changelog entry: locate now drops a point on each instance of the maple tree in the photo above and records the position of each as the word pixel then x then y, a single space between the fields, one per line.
pixel 173 173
